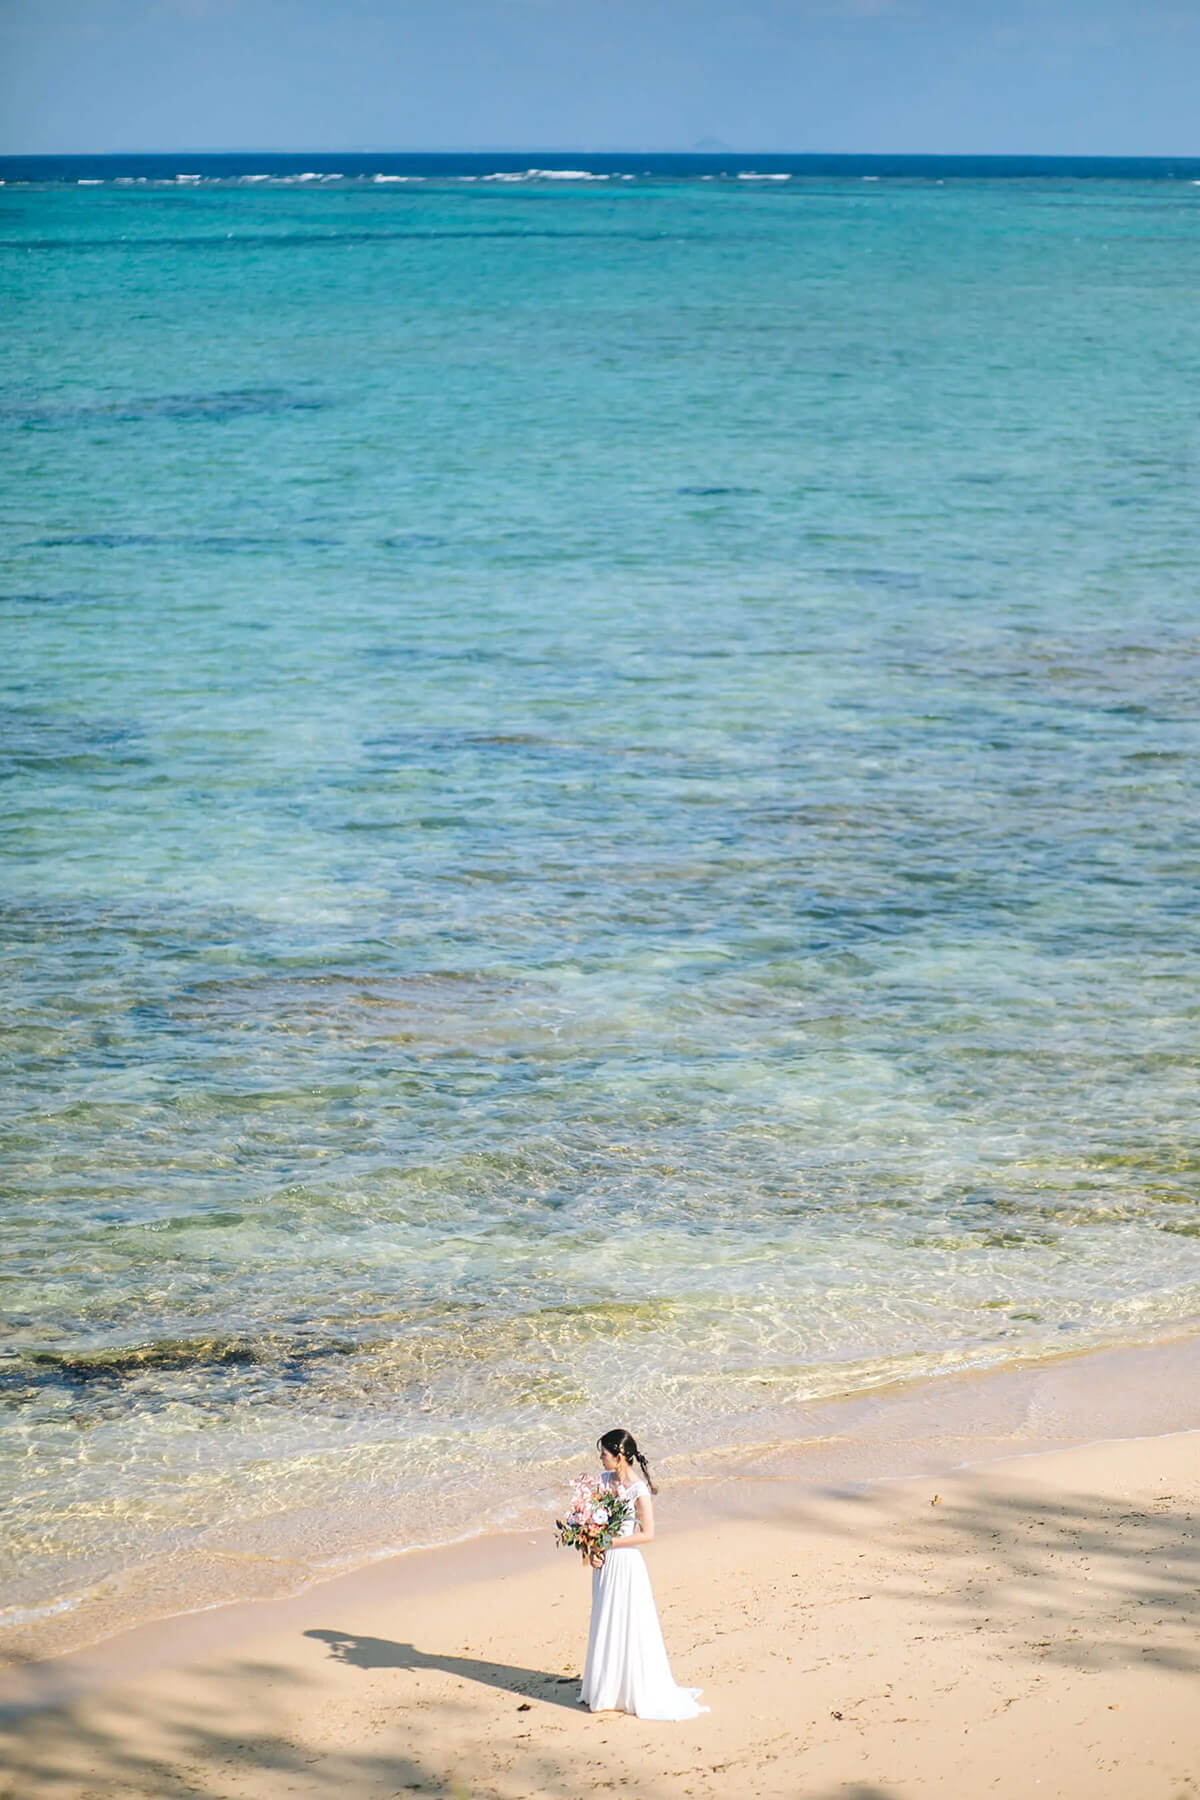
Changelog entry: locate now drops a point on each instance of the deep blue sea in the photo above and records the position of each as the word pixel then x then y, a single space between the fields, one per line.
pixel 600 820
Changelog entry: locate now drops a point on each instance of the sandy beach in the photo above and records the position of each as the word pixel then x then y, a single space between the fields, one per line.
pixel 1026 1627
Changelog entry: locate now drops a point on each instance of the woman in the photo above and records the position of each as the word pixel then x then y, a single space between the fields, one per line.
pixel 627 1668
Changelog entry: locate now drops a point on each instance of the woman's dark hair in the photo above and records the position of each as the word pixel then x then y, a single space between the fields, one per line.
pixel 621 1443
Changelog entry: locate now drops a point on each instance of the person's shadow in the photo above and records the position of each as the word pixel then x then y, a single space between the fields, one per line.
pixel 381 1653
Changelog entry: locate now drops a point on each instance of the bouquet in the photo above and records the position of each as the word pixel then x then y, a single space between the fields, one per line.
pixel 594 1518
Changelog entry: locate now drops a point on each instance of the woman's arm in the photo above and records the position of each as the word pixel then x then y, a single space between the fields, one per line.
pixel 644 1534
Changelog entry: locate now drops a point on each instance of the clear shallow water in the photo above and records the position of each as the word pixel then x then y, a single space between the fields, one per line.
pixel 600 821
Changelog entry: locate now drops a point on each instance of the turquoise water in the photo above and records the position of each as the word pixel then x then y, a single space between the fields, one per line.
pixel 601 825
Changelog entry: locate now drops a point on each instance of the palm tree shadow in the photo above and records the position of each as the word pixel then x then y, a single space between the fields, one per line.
pixel 360 1652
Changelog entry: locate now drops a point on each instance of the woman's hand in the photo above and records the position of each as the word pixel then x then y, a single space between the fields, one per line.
pixel 596 1558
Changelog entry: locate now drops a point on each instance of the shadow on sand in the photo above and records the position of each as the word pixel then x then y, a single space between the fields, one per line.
pixel 1085 1581
pixel 360 1652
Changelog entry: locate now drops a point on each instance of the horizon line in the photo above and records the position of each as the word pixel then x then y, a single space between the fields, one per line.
pixel 635 150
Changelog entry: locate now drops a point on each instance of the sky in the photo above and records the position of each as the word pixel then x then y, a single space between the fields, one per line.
pixel 1036 77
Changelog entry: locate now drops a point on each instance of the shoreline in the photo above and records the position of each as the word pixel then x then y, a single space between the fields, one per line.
pixel 891 1641
pixel 966 1421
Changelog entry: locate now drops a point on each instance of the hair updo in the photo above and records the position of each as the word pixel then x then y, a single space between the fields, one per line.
pixel 619 1442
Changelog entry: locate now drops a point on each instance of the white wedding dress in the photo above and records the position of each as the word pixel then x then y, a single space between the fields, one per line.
pixel 627 1668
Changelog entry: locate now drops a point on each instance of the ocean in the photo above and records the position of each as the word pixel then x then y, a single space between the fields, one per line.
pixel 600 822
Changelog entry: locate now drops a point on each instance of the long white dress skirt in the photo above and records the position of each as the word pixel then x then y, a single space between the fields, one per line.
pixel 627 1668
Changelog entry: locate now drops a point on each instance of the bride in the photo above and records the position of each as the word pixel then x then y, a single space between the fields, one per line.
pixel 627 1668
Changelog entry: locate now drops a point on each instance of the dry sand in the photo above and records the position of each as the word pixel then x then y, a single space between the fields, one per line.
pixel 1028 1628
